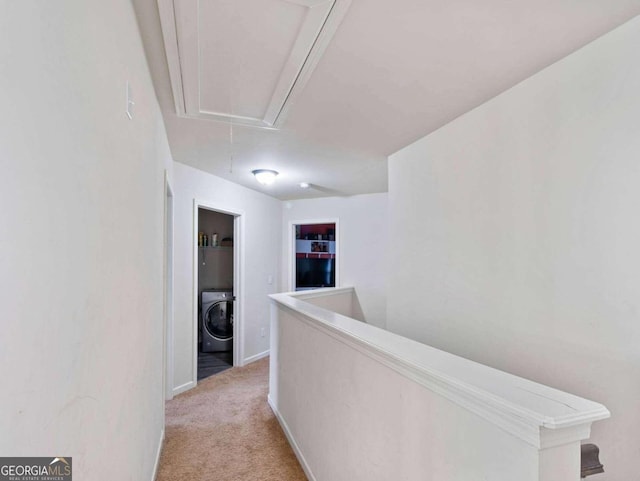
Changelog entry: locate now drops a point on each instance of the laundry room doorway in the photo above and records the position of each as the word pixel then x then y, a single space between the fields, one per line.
pixel 216 282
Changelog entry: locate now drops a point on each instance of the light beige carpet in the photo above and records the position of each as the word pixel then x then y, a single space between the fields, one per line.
pixel 224 430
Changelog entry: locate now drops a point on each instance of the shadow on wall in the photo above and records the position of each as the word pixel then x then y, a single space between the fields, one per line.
pixel 357 312
pixel 327 191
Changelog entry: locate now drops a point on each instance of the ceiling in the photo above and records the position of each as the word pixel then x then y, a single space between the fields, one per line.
pixel 324 90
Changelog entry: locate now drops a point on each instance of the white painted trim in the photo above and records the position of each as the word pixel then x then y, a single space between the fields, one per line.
pixel 307 3
pixel 519 406
pixel 168 327
pixel 333 20
pixel 550 438
pixel 256 357
pixel 229 118
pixel 292 442
pixel 183 388
pixel 194 293
pixel 292 248
pixel 156 464
pixel 305 53
pixel 166 9
pixel 323 292
pixel 238 288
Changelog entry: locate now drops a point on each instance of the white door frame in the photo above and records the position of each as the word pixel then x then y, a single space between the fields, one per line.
pixel 292 247
pixel 238 280
pixel 167 336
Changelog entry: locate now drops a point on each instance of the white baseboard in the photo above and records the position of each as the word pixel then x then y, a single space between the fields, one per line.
pixel 184 387
pixel 156 465
pixel 251 359
pixel 292 442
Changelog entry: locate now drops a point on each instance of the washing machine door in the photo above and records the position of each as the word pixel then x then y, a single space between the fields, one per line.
pixel 218 320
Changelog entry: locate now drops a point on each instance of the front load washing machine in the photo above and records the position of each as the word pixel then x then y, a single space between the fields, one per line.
pixel 216 320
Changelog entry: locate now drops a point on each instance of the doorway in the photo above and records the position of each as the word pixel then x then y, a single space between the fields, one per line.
pixel 215 291
pixel 314 254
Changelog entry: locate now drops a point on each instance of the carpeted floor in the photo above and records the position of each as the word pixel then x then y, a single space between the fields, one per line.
pixel 224 430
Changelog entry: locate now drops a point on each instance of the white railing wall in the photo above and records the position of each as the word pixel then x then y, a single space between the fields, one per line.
pixel 341 300
pixel 360 403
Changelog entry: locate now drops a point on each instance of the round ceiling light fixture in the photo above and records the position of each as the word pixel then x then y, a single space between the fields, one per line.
pixel 265 176
pixel 304 185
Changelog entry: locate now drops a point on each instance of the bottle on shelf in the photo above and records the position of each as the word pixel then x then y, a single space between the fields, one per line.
pixel 214 239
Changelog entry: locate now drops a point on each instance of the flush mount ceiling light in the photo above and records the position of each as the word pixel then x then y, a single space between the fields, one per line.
pixel 304 185
pixel 265 176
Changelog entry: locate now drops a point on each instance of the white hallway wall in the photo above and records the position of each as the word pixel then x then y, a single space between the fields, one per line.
pixel 262 249
pixel 520 235
pixel 81 229
pixel 364 245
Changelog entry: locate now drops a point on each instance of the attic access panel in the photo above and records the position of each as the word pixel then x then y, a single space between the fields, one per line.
pixel 244 61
